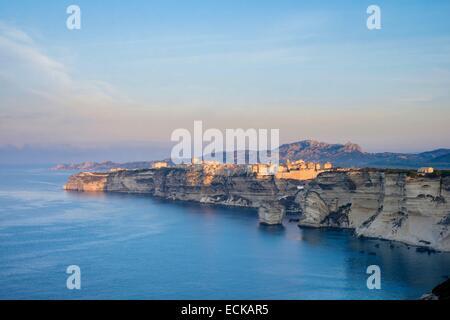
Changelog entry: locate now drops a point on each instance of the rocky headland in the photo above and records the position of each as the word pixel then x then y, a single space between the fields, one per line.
pixel 220 185
pixel 105 165
pixel 400 206
pixel 386 204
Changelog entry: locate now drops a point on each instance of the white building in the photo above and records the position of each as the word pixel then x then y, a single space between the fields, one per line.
pixel 425 170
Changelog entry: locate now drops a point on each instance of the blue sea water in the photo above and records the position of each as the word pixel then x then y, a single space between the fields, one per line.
pixel 138 247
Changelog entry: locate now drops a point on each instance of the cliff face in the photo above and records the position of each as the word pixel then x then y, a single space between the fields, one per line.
pixel 393 206
pixel 200 184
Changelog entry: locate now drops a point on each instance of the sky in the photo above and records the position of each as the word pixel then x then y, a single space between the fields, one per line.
pixel 138 70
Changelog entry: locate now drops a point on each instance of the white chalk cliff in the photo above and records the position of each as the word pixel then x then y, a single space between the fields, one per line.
pixel 393 206
pixel 385 204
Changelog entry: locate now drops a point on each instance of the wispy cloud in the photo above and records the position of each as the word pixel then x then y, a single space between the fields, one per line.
pixel 41 100
pixel 310 70
pixel 28 66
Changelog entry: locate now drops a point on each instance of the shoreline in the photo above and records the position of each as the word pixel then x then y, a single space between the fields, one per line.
pixel 386 205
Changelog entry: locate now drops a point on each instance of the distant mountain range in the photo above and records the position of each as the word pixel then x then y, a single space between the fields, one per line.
pixel 341 155
pixel 352 155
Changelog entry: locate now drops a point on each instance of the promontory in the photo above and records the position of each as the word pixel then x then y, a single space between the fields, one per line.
pixel 398 205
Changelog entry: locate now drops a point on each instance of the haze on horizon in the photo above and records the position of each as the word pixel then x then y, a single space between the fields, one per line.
pixel 138 70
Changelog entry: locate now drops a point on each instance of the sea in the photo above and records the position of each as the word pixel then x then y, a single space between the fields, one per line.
pixel 128 246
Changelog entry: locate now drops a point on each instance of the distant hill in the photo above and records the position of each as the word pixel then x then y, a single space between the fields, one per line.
pixel 105 165
pixel 352 155
pixel 441 160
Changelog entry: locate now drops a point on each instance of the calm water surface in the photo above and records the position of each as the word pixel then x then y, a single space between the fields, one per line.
pixel 131 246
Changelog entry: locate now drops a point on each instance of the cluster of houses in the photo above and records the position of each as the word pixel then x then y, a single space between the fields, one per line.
pixel 160 164
pixel 425 170
pixel 296 170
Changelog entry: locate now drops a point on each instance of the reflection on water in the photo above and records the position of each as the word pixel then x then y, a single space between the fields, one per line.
pixel 399 262
pixel 91 195
pixel 277 230
pixel 135 246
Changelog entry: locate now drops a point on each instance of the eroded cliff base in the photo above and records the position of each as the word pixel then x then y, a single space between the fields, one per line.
pixel 384 204
pixel 377 204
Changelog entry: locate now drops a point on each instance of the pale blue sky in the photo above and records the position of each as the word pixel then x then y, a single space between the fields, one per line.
pixel 137 70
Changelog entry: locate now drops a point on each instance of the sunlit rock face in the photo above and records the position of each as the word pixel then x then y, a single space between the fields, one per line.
pixel 136 181
pixel 87 181
pixel 393 206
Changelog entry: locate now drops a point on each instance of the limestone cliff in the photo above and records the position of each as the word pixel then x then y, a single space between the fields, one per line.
pixel 394 206
pixel 375 203
pixel 213 185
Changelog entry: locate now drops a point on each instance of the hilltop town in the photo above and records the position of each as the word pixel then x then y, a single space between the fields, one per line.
pixel 298 170
pixel 294 170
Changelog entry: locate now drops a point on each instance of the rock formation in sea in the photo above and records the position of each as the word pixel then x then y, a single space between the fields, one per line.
pixel 440 292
